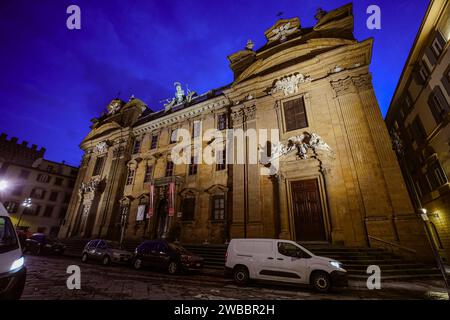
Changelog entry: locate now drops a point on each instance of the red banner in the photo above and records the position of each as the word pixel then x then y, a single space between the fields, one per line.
pixel 151 200
pixel 171 199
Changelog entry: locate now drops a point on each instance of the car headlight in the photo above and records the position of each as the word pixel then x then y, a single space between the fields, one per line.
pixel 17 264
pixel 335 264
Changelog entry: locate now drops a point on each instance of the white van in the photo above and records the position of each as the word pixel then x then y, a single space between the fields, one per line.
pixel 283 261
pixel 12 268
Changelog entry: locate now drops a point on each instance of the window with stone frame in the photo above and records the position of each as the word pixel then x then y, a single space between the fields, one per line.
pixel 295 114
pixel 130 176
pixel 45 178
pixel 48 211
pixel 193 166
pixel 218 207
pixel 11 206
pixel 58 181
pixel 438 104
pixel 221 159
pixel 424 72
pixel 188 208
pixel 137 146
pixel 222 121
pixel 418 131
pixel 154 142
pixel 148 173
pixel 32 211
pixel 173 136
pixel 169 169
pixel 38 193
pixel 53 196
pixel 196 129
pixel 436 175
pixel 98 167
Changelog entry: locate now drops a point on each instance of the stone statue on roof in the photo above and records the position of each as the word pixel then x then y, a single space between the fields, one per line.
pixel 180 97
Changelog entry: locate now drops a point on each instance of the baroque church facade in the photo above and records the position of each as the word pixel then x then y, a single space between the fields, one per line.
pixel 307 83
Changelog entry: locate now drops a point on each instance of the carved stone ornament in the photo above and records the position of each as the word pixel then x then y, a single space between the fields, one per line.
pixel 90 186
pixel 289 84
pixel 113 107
pixel 281 32
pixel 244 114
pixel 101 147
pixel 300 144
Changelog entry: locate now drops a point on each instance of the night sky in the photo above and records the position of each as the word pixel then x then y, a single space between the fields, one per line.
pixel 54 80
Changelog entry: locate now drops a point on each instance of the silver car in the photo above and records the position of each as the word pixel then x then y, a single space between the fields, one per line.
pixel 106 252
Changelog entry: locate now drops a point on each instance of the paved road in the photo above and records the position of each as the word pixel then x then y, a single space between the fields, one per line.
pixel 47 280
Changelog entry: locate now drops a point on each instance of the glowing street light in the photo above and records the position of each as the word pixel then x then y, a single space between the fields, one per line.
pixel 26 203
pixel 3 185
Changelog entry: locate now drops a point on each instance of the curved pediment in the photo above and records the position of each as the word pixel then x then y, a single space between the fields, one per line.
pixel 296 52
pixel 103 129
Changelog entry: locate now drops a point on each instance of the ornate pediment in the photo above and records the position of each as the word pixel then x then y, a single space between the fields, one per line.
pixel 282 29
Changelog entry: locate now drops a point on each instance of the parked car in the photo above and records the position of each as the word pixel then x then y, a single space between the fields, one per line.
pixel 160 254
pixel 12 264
pixel 40 243
pixel 106 252
pixel 282 261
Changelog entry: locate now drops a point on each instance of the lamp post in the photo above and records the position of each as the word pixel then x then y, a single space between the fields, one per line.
pixel 397 146
pixel 26 204
pixel 3 186
pixel 123 221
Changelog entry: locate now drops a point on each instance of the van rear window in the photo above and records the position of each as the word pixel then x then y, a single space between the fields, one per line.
pixel 8 238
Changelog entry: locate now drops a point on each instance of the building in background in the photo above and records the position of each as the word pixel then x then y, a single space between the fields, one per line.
pixel 26 174
pixel 418 119
pixel 339 182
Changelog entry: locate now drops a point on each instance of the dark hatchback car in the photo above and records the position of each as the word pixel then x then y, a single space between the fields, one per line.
pixel 105 251
pixel 160 254
pixel 40 243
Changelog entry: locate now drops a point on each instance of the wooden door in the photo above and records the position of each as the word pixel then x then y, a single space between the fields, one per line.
pixel 307 208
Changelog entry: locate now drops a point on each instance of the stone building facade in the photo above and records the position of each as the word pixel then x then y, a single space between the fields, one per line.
pixel 337 179
pixel 418 118
pixel 47 184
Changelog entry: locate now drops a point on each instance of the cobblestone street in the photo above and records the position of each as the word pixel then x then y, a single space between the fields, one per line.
pixel 47 280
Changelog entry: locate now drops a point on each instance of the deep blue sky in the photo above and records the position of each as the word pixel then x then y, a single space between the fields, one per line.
pixel 54 80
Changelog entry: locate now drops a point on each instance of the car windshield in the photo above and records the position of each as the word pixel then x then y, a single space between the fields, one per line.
pixel 8 239
pixel 114 245
pixel 178 248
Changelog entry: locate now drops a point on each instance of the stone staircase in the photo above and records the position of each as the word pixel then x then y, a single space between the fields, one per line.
pixel 355 260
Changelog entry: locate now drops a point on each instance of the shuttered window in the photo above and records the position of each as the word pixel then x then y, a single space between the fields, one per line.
pixel 438 104
pixel 294 114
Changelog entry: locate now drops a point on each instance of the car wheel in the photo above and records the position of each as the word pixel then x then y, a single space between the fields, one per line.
pixel 137 263
pixel 240 275
pixel 84 258
pixel 173 267
pixel 321 281
pixel 106 260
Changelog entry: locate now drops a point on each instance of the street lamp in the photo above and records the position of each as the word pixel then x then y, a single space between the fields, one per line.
pixel 26 204
pixel 3 186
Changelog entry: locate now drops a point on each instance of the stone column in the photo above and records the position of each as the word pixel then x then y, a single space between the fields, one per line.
pixel 284 210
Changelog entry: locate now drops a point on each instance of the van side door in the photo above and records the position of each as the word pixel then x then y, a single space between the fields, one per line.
pixel 291 262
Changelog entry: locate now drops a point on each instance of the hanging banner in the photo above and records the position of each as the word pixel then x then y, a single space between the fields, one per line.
pixel 151 200
pixel 171 199
pixel 140 213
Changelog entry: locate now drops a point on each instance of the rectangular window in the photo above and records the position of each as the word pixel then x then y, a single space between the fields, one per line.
pixel 418 131
pixel 130 176
pixel 32 211
pixel 137 146
pixel 11 207
pixel 98 167
pixel 188 209
pixel 24 174
pixel 436 175
pixel 424 73
pixel 438 105
pixel 222 121
pixel 154 142
pixel 58 181
pixel 53 196
pixel 218 207
pixel 48 211
pixel 221 160
pixel 193 166
pixel 44 178
pixel 295 114
pixel 173 136
pixel 169 169
pixel 148 173
pixel 37 193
